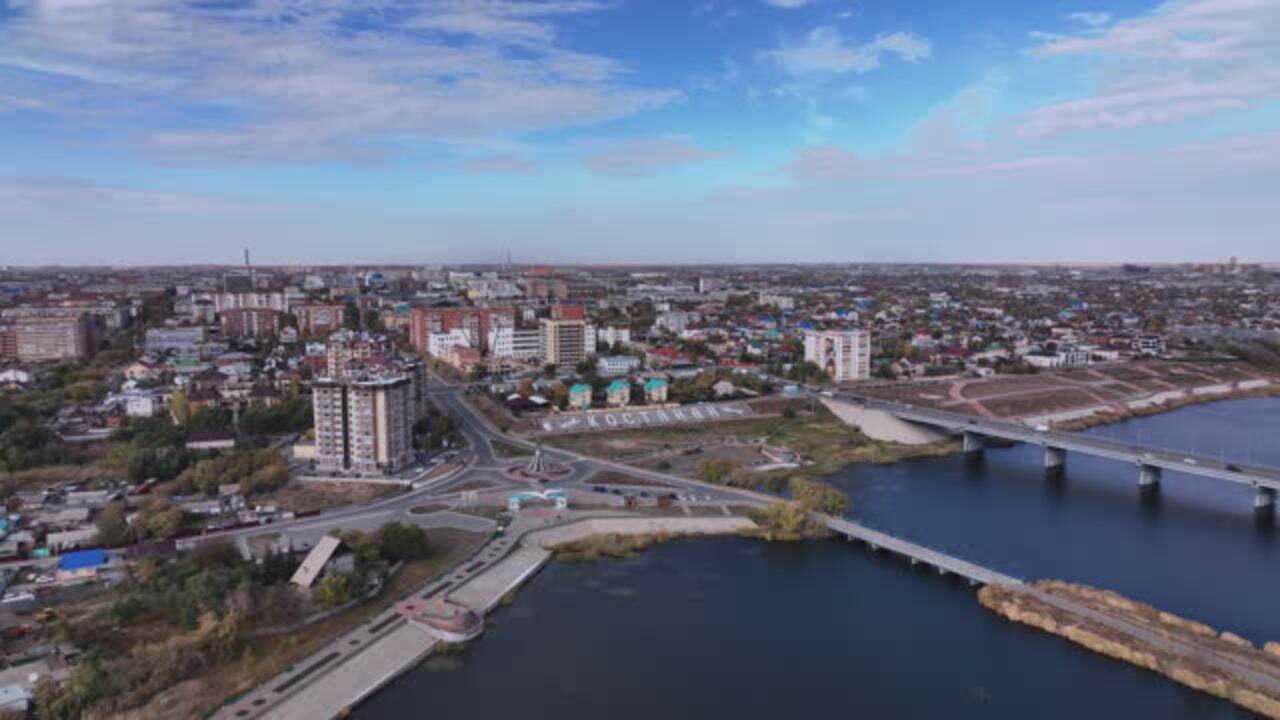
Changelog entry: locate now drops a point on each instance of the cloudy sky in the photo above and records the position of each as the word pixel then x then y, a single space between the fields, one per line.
pixel 159 131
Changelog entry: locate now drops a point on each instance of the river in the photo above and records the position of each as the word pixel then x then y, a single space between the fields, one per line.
pixel 732 627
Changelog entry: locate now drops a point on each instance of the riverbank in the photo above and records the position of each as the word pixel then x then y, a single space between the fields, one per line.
pixel 1108 415
pixel 1190 653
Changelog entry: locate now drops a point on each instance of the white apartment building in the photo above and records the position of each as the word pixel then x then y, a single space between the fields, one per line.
pixel 782 302
pixel 526 344
pixel 845 355
pixel 613 335
pixel 441 344
pixel 675 321
pixel 502 341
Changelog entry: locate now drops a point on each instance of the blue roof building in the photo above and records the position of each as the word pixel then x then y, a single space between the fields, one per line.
pixel 82 559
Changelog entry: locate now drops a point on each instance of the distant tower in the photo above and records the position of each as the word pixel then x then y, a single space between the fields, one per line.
pixel 248 268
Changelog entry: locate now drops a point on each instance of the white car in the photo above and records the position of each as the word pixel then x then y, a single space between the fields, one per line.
pixel 1042 428
pixel 1189 461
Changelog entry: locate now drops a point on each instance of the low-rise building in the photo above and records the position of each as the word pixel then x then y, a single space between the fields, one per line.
pixel 655 391
pixel 618 394
pixel 616 365
pixel 580 396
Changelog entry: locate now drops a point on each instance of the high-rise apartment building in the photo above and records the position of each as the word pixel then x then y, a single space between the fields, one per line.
pixel 567 342
pixel 845 355
pixel 364 425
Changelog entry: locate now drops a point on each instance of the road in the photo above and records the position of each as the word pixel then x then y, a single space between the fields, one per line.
pixel 480 464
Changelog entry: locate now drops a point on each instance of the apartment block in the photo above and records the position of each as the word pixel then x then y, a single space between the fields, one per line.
pixel 364 425
pixel 346 347
pixel 845 355
pixel 566 342
pixel 251 322
pixel 320 319
pixel 51 338
pixel 475 322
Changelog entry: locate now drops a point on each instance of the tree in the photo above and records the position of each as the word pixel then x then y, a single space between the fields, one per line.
pixel 351 316
pixel 113 529
pixel 818 496
pixel 161 518
pixel 180 407
pixel 335 589
pixel 716 470
pixel 402 542
pixel 785 517
pixel 526 388
pixel 560 395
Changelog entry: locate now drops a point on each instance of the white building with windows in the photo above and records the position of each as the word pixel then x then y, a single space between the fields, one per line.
pixel 613 335
pixel 617 365
pixel 441 344
pixel 845 355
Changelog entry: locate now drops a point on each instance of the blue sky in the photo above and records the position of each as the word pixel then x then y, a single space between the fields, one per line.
pixel 159 131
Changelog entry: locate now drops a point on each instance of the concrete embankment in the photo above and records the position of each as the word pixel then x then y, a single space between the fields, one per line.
pixel 1190 653
pixel 883 426
pixel 329 684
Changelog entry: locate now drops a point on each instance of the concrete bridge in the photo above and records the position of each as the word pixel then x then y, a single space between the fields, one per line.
pixel 1149 462
pixel 918 554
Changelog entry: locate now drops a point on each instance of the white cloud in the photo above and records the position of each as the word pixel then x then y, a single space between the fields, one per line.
pixel 645 156
pixel 788 4
pixel 73 197
pixel 1092 19
pixel 496 164
pixel 825 49
pixel 1185 60
pixel 297 79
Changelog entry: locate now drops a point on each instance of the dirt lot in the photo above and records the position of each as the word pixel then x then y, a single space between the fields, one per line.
pixel 1059 390
pixel 824 442
pixel 300 496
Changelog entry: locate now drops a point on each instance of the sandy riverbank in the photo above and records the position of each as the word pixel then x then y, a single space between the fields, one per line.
pixel 1190 653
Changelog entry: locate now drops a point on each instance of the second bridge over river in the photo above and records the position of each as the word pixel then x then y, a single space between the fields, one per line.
pixel 1149 462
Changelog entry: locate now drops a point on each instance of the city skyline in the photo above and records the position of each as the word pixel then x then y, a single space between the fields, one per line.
pixel 575 131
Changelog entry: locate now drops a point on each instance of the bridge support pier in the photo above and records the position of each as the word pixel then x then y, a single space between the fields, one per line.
pixel 972 443
pixel 1149 477
pixel 1055 460
pixel 1265 501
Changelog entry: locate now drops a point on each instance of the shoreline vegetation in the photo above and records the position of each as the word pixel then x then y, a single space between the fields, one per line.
pixel 1190 653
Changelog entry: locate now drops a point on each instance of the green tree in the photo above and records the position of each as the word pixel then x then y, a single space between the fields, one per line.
pixel 161 518
pixel 786 518
pixel 818 496
pixel 335 589
pixel 113 529
pixel 403 542
pixel 716 470
pixel 180 407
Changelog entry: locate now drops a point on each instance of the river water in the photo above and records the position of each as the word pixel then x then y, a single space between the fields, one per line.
pixel 736 628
